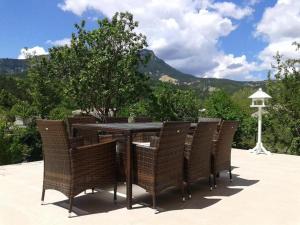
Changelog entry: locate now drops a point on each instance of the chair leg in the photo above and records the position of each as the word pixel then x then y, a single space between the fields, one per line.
pixel 70 206
pixel 93 190
pixel 154 201
pixel 230 175
pixel 115 191
pixel 188 188
pixel 43 195
pixel 215 182
pixel 209 182
pixel 182 192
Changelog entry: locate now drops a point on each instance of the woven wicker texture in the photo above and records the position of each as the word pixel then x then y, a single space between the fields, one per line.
pixel 73 170
pixel 161 167
pixel 222 154
pixel 197 152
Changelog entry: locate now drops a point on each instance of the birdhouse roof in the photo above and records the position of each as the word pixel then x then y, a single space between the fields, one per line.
pixel 259 95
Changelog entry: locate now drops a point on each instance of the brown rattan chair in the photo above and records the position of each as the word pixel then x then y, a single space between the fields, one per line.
pixel 159 165
pixel 208 119
pixel 221 157
pixel 89 136
pixel 71 169
pixel 197 154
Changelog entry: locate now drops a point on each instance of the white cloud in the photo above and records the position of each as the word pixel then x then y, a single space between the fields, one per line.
pixel 232 67
pixel 230 9
pixel 26 52
pixel 61 42
pixel 185 33
pixel 279 27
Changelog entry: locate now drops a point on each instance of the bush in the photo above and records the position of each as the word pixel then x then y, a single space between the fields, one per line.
pixel 19 144
pixel 59 113
pixel 220 105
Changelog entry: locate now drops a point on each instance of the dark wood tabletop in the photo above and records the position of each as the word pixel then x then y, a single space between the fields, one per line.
pixel 121 127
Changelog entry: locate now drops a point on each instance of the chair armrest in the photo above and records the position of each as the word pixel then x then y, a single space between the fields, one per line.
pixel 187 151
pixel 93 147
pixel 147 151
pixel 154 141
pixel 188 139
pixel 76 141
pixel 214 146
pixel 92 156
pixel 143 159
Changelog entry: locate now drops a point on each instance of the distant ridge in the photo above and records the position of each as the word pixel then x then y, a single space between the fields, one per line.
pixel 156 69
pixel 12 66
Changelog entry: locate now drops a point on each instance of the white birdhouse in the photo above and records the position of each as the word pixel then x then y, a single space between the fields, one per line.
pixel 259 98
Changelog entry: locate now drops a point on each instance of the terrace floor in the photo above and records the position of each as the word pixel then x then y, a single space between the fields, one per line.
pixel 265 190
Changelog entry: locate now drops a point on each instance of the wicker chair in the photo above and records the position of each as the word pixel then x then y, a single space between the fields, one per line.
pixel 221 157
pixel 159 165
pixel 218 120
pixel 197 154
pixel 71 169
pixel 89 136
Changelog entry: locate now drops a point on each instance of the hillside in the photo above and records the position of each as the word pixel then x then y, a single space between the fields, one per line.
pixel 12 66
pixel 156 69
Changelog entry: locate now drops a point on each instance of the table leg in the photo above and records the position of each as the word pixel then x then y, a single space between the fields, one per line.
pixel 129 171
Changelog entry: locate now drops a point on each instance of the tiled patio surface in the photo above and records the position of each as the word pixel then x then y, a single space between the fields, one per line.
pixel 265 191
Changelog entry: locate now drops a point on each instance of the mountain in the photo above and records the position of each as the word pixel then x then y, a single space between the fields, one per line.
pixel 12 66
pixel 156 69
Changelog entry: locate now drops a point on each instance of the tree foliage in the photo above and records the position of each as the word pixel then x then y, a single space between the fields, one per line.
pixel 221 105
pixel 169 102
pixel 45 88
pixel 284 113
pixel 99 69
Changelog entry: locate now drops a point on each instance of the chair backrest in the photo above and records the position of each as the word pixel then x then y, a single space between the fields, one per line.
pixel 201 149
pixel 142 119
pixel 55 147
pixel 225 139
pixel 208 119
pixel 89 136
pixel 169 153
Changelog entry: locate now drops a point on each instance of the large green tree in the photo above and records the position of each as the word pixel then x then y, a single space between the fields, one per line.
pixel 169 102
pixel 284 111
pixel 45 88
pixel 99 69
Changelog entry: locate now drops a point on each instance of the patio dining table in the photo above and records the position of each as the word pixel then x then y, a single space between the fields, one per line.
pixel 127 129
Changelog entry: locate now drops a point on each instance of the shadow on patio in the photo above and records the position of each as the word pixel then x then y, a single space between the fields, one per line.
pixel 202 197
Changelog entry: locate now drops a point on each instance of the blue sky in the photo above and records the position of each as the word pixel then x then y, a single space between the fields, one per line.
pixel 222 39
